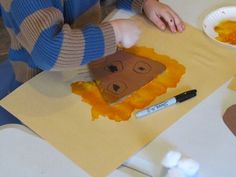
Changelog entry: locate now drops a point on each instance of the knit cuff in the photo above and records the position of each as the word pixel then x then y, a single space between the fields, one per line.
pixel 109 38
pixel 137 5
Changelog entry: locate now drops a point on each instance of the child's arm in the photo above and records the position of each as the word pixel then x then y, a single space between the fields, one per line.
pixel 53 45
pixel 160 14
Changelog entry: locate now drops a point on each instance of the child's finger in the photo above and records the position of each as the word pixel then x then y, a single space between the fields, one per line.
pixel 170 21
pixel 155 18
pixel 178 22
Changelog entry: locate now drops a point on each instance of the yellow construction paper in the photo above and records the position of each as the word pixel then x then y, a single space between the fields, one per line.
pixel 232 84
pixel 47 106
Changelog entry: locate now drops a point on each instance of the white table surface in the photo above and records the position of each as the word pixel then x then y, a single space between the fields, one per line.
pixel 200 134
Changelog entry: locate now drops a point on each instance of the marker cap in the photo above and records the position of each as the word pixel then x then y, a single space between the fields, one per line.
pixel 186 95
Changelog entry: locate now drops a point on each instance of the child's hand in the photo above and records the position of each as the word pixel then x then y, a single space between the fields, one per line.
pixel 162 15
pixel 126 32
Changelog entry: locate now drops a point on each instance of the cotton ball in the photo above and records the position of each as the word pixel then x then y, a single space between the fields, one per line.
pixel 171 159
pixel 189 166
pixel 175 172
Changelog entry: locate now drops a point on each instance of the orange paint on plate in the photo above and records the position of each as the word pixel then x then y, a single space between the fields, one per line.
pixel 226 32
pixel 137 100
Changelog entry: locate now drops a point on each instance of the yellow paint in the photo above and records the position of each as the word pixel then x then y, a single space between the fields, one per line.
pixel 137 100
pixel 226 32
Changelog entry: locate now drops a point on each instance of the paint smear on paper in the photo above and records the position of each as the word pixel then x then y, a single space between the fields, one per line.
pixel 140 98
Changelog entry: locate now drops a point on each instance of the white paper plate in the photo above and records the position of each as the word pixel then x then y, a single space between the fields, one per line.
pixel 214 18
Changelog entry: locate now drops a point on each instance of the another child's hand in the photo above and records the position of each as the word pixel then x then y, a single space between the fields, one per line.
pixel 126 32
pixel 162 16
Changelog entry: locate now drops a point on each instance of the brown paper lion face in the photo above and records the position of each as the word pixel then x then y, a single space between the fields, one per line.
pixel 122 73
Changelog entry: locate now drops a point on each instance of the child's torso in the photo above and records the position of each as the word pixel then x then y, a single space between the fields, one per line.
pixel 75 12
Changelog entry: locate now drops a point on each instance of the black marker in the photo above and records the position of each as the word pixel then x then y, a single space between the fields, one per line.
pixel 176 99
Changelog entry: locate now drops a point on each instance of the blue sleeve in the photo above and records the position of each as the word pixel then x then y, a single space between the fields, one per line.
pixel 52 44
pixel 135 5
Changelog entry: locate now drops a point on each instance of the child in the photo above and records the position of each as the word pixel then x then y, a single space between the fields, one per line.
pixel 43 36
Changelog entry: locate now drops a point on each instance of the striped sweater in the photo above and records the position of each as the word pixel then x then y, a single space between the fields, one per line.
pixel 43 36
